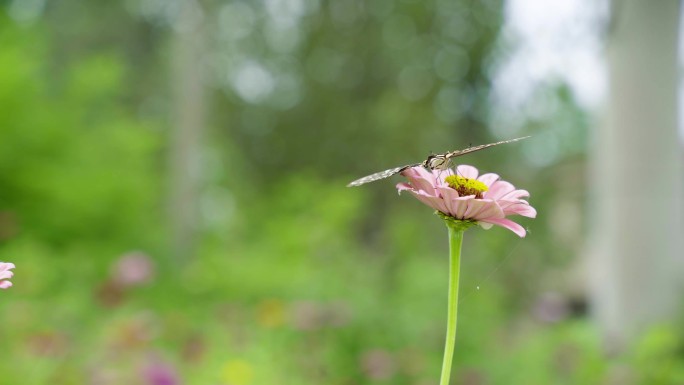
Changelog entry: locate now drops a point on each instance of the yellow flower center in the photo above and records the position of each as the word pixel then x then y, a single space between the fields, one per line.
pixel 465 186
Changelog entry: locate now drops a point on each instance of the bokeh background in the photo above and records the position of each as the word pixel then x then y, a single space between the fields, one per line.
pixel 172 191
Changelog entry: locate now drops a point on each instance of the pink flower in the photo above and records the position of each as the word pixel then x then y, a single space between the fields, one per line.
pixel 133 269
pixel 464 195
pixel 160 373
pixel 5 274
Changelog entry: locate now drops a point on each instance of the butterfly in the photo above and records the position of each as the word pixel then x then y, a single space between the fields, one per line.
pixel 433 162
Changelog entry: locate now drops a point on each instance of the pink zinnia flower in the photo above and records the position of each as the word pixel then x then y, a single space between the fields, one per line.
pixel 133 269
pixel 160 373
pixel 5 274
pixel 464 195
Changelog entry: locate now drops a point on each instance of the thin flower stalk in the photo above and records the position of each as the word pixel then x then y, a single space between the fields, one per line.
pixel 455 242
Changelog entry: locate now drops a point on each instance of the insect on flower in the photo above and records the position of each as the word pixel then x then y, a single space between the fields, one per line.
pixel 433 162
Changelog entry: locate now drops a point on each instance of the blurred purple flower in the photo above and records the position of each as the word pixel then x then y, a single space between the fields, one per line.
pixel 160 373
pixel 378 364
pixel 194 348
pixel 6 274
pixel 133 269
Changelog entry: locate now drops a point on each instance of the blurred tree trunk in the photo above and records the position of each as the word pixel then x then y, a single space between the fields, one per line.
pixel 188 122
pixel 637 175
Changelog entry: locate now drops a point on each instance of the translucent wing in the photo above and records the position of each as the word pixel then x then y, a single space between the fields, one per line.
pixel 428 163
pixel 468 150
pixel 380 175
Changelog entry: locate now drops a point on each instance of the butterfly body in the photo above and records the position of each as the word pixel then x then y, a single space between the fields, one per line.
pixel 436 162
pixel 433 162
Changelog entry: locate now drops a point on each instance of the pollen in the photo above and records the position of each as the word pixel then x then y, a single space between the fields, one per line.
pixel 465 186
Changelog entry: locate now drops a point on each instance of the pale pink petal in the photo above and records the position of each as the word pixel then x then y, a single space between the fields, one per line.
pixel 421 179
pixel 488 179
pixel 505 203
pixel 6 266
pixel 518 208
pixel 449 195
pixel 5 273
pixel 434 202
pixel 403 187
pixel 460 206
pixel 498 189
pixel 474 207
pixel 447 192
pixel 444 173
pixel 509 224
pixel 516 194
pixel 466 171
pixel 490 210
pixel 440 175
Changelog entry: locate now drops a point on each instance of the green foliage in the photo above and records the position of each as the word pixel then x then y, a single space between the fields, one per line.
pixel 74 163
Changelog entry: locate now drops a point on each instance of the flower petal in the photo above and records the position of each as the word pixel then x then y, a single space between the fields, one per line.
pixel 434 202
pixel 467 171
pixel 6 275
pixel 518 207
pixel 474 207
pixel 450 197
pixel 516 194
pixel 447 192
pixel 5 284
pixel 498 189
pixel 509 224
pixel 460 205
pixel 403 187
pixel 488 179
pixel 6 266
pixel 490 209
pixel 440 175
pixel 421 179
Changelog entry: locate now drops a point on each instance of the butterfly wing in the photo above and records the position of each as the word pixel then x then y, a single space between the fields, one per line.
pixel 468 150
pixel 393 171
pixel 380 175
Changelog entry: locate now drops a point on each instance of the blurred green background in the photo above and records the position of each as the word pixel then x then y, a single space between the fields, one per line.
pixel 172 191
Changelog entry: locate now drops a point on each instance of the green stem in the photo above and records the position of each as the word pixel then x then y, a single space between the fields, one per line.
pixel 455 242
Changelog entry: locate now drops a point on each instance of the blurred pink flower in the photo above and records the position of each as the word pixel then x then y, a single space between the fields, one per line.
pixel 464 195
pixel 133 269
pixel 378 364
pixel 5 274
pixel 160 373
